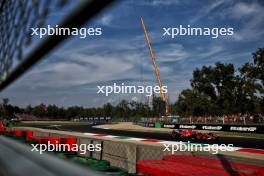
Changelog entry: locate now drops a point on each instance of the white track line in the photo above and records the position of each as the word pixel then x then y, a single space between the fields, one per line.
pixel 111 136
pixel 90 134
pixel 136 139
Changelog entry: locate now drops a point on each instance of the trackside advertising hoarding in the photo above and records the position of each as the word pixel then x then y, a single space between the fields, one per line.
pixel 235 128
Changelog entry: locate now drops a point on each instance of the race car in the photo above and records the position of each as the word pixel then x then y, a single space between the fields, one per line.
pixel 192 135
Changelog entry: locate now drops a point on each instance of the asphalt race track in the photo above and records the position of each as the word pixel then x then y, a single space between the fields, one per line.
pixel 236 141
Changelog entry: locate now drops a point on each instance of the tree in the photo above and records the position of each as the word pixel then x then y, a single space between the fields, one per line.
pixel 217 83
pixel 5 101
pixel 108 109
pixel 221 89
pixel 253 76
pixel 258 58
pixel 192 102
pixel 123 109
pixel 158 106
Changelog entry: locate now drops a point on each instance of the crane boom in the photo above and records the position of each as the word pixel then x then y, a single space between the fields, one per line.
pixel 155 67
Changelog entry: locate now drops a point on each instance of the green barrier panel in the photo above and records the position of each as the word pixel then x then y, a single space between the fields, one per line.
pixel 79 159
pixel 115 171
pixel 8 135
pixel 84 160
pixel 101 165
pixel 95 164
pixel 121 137
pixel 91 161
pixel 64 154
pixel 16 138
pixel 20 140
pixel 157 125
pixel 61 155
pixel 30 142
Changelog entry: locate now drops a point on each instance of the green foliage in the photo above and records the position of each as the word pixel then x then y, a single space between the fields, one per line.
pixel 220 89
pixel 124 110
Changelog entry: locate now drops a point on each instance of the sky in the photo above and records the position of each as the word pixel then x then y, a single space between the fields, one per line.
pixel 70 75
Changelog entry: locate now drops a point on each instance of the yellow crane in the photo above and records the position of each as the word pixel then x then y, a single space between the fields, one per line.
pixel 163 96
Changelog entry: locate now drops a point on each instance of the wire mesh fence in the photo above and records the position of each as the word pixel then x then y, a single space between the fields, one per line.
pixel 17 17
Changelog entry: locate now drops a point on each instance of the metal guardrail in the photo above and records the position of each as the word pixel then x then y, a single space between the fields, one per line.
pixel 17 159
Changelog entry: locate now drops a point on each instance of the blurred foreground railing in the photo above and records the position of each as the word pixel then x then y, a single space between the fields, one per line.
pixel 17 159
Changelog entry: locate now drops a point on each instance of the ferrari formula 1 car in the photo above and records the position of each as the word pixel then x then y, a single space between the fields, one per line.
pixel 193 135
